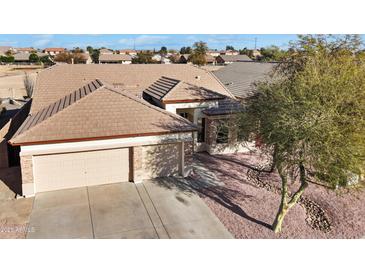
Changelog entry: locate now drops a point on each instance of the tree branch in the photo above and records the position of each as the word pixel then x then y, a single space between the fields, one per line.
pixel 303 186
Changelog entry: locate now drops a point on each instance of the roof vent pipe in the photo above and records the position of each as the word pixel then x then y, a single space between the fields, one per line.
pixel 197 77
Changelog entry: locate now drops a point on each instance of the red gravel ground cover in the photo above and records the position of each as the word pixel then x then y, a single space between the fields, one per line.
pixel 248 210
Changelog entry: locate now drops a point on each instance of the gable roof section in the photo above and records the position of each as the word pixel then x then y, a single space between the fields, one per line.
pixel 236 58
pixel 169 90
pixel 97 111
pixel 239 77
pixel 114 57
pixel 57 81
pixel 161 87
pixel 59 105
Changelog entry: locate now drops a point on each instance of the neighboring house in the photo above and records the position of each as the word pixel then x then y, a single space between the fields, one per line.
pixel 86 57
pixel 184 58
pixel 115 59
pixel 106 51
pixel 131 52
pixel 115 123
pixel 25 50
pixel 5 49
pixel 229 52
pixel 54 51
pixel 210 59
pixel 214 53
pixel 239 77
pixel 23 57
pixel 229 59
pixel 161 59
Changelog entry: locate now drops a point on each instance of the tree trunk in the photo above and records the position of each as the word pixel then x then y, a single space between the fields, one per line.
pixel 283 209
pixel 285 206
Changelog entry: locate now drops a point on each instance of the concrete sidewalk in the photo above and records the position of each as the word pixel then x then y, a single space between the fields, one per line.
pixel 153 209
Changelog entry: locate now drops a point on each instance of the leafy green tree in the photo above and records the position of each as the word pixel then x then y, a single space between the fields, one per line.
pixel 90 49
pixel 229 48
pixel 33 58
pixel 244 51
pixel 163 51
pixel 143 58
pixel 95 55
pixel 310 117
pixel 186 50
pixel 7 59
pixel 77 50
pixel 45 60
pixel 200 48
pixel 199 52
pixel 272 53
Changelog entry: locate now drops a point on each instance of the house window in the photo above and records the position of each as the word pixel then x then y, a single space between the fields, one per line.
pixel 184 115
pixel 222 133
pixel 201 130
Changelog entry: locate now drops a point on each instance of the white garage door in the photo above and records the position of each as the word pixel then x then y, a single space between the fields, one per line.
pixel 68 170
pixel 160 160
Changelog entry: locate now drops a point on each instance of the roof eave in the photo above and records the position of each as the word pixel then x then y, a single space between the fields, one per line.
pixel 14 143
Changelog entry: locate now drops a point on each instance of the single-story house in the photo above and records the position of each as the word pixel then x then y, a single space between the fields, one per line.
pixel 105 51
pixel 115 123
pixel 161 59
pixel 210 60
pixel 115 59
pixel 5 49
pixel 86 57
pixel 54 51
pixel 214 53
pixel 229 52
pixel 228 59
pixel 184 58
pixel 238 77
pixel 131 52
pixel 23 57
pixel 25 50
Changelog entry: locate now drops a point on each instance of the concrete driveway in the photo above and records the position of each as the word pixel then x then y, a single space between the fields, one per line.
pixel 153 209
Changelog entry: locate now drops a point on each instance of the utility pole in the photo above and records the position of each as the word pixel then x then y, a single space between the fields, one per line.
pixel 255 42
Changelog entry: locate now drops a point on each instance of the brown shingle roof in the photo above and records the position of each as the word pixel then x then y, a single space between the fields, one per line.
pixel 114 57
pixel 235 58
pixel 54 49
pixel 169 90
pixel 57 81
pixel 161 87
pixel 97 111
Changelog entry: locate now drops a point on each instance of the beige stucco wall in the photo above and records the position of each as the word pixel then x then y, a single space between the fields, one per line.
pixel 26 163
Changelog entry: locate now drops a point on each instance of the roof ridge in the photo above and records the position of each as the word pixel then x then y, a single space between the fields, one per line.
pixel 52 109
pixel 141 101
pixel 225 88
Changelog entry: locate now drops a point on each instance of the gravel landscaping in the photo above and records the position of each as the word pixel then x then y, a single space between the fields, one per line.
pixel 247 202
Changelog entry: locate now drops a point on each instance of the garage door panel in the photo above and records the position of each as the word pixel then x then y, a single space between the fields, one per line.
pixel 160 160
pixel 59 171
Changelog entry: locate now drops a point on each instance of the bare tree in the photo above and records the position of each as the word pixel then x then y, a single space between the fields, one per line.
pixel 28 84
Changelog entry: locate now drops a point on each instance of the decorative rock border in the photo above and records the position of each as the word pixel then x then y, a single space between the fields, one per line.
pixel 316 217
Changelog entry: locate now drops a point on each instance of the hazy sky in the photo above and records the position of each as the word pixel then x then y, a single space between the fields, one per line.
pixel 143 41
